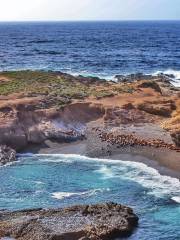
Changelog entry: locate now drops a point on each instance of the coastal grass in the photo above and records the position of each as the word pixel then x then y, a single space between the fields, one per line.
pixel 58 89
pixel 41 83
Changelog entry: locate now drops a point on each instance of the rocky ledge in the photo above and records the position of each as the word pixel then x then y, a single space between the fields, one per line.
pixel 101 221
pixel 7 155
pixel 37 107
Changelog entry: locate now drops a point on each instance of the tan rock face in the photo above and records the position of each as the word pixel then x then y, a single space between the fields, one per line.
pixel 35 106
pixel 150 84
pixel 125 115
pixel 173 124
pixel 94 222
pixel 20 126
pixel 162 108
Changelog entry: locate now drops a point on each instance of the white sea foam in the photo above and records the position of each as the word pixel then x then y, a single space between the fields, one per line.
pixel 9 164
pixel 150 178
pixel 63 195
pixel 24 154
pixel 32 181
pixel 60 158
pixel 147 177
pixel 106 172
pixel 176 199
pixel 170 72
pixel 175 73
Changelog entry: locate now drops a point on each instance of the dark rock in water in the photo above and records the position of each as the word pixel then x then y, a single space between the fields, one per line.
pixel 133 77
pixel 166 78
pixel 140 76
pixel 101 221
pixel 170 75
pixel 165 75
pixel 7 155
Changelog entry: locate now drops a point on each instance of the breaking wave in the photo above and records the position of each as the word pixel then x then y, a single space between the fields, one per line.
pixel 173 74
pixel 148 177
pixel 63 195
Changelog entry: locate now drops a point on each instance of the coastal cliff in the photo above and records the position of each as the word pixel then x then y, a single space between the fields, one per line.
pixel 137 115
pixel 39 106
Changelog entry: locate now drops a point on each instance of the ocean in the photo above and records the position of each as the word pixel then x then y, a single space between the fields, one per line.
pixel 52 181
pixel 92 48
pixel 101 49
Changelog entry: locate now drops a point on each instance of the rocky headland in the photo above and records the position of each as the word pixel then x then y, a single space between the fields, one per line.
pixel 137 115
pixel 135 111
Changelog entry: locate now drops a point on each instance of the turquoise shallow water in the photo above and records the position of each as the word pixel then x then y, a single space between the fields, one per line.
pixel 62 180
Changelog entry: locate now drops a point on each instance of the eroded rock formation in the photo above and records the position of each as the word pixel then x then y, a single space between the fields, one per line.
pixel 36 106
pixel 94 222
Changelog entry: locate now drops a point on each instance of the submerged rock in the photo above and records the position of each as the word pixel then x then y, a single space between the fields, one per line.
pixel 7 155
pixel 101 221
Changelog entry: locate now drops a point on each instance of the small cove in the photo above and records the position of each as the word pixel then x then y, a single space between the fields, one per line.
pixel 52 181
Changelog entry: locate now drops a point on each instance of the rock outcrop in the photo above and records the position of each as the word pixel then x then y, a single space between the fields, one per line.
pixel 20 127
pixel 122 140
pixel 140 76
pixel 93 222
pixel 37 106
pixel 133 77
pixel 162 108
pixel 150 84
pixel 7 155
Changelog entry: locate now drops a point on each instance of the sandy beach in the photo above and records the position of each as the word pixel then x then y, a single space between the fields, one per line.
pixel 167 162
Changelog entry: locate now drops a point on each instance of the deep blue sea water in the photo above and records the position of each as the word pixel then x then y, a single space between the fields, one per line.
pixel 92 48
pixel 62 180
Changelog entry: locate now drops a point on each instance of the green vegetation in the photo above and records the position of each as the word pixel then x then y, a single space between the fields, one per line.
pixel 57 89
pixel 123 88
pixel 102 94
pixel 41 83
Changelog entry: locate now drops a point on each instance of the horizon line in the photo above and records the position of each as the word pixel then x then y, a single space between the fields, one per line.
pixel 91 20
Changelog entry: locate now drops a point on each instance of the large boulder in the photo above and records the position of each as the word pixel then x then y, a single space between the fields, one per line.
pixel 93 222
pixel 7 155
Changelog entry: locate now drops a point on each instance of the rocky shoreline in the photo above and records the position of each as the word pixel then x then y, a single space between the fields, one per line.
pixel 123 140
pixel 33 118
pixel 93 222
pixel 137 115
